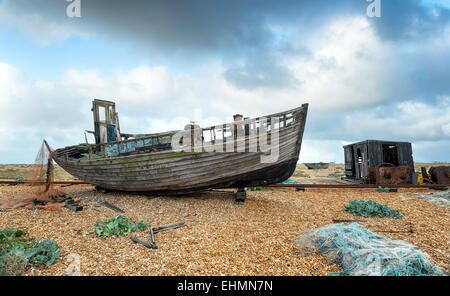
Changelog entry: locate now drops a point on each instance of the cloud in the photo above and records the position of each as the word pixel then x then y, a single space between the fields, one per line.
pixel 403 20
pixel 152 99
pixel 322 150
pixel 350 67
pixel 202 25
pixel 261 70
pixel 29 17
pixel 138 84
pixel 258 44
pixel 405 120
pixel 383 78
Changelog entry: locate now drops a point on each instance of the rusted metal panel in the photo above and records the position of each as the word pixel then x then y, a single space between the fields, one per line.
pixel 386 175
pixel 440 175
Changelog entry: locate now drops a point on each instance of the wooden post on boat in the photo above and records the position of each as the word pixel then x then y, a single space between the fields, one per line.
pixel 238 131
pixel 192 136
pixel 49 167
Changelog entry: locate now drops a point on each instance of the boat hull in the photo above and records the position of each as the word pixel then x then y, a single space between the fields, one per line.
pixel 170 171
pixel 316 166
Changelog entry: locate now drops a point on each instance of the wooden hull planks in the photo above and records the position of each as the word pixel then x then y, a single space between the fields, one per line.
pixel 175 171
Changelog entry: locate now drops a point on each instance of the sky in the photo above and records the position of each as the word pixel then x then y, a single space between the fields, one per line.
pixel 168 62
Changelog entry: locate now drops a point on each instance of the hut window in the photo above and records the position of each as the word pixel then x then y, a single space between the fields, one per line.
pixel 228 133
pixel 207 136
pixel 101 113
pixel 219 133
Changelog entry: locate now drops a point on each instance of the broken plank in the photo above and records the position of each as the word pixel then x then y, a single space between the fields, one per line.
pixel 152 235
pixel 168 226
pixel 143 242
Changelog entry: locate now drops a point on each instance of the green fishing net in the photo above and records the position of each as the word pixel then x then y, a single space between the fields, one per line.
pixel 371 208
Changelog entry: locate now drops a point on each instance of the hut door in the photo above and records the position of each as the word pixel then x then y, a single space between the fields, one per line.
pixel 361 161
pixel 349 162
pixel 390 154
pixel 106 123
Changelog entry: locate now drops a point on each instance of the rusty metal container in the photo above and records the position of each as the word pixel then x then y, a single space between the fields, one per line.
pixel 440 175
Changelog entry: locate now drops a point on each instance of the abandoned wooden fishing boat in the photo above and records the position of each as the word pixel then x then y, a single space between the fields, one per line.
pixel 316 165
pixel 243 153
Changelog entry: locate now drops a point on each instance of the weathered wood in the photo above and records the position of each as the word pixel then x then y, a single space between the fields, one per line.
pixel 144 243
pixel 168 226
pixel 221 162
pixel 241 195
pixel 74 207
pixel 173 171
pixel 287 139
pixel 373 153
pixel 152 235
pixel 48 146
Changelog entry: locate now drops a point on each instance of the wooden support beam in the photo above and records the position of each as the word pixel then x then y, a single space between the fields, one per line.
pixel 144 243
pixel 168 226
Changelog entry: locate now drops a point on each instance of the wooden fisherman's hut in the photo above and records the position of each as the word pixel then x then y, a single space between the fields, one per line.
pixel 362 156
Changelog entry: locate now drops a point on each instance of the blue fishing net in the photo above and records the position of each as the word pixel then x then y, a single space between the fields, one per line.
pixel 290 181
pixel 362 252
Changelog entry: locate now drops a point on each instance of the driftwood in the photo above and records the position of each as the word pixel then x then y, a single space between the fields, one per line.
pixel 411 230
pixel 168 226
pixel 143 242
pixel 152 235
pixel 111 206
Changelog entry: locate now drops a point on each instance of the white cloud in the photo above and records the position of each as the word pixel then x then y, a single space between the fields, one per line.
pixel 350 66
pixel 406 120
pixel 152 99
pixel 10 86
pixel 322 150
pixel 446 129
pixel 43 31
